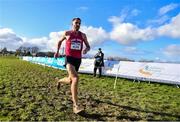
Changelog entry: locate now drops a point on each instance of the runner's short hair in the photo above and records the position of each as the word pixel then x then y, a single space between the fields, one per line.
pixel 77 18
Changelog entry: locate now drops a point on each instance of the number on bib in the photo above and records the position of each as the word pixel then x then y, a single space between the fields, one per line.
pixel 75 45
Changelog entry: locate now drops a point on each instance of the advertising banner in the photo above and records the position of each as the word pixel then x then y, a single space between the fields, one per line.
pixel 52 62
pixel 156 72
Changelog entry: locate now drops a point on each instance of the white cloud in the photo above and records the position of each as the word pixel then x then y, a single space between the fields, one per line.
pixel 124 33
pixel 83 8
pixel 172 50
pixel 160 20
pixel 9 39
pixel 135 51
pixel 95 35
pixel 162 14
pixel 171 29
pixel 127 33
pixel 44 43
pixel 115 20
pixel 41 43
pixel 130 49
pixel 54 38
pixel 125 14
pixel 167 8
pixel 135 12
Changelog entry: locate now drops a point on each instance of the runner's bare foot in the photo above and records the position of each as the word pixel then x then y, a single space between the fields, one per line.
pixel 77 109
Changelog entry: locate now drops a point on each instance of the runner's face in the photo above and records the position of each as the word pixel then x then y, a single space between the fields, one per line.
pixel 76 24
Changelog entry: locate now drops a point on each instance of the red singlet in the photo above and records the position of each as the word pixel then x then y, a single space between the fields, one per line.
pixel 74 44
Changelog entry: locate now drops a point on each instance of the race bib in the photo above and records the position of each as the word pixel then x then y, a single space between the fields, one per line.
pixel 76 45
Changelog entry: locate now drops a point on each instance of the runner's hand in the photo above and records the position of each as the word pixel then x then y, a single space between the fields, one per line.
pixel 56 55
pixel 85 51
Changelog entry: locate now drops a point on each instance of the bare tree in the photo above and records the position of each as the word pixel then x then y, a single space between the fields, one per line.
pixel 34 49
pixel 4 51
pixel 24 51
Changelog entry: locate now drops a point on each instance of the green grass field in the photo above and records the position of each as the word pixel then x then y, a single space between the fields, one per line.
pixel 28 92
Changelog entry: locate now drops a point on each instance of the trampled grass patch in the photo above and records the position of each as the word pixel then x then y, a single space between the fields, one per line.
pixel 28 92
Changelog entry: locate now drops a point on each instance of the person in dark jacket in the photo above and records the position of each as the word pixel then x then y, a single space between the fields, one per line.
pixel 99 62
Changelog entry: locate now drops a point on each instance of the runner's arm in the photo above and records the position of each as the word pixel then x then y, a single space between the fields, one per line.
pixel 59 43
pixel 86 43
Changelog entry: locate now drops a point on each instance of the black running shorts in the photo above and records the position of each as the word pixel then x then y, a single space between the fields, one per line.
pixel 76 62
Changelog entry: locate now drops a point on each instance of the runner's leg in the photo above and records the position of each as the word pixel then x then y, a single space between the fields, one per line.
pixel 74 82
pixel 74 88
pixel 65 80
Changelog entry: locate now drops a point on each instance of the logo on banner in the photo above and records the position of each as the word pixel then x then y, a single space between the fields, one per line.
pixel 145 71
pixel 149 70
pixel 61 62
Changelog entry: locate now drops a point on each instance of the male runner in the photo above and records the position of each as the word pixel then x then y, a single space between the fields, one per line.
pixel 73 50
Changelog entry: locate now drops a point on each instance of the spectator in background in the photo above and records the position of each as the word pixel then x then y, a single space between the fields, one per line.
pixel 99 62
